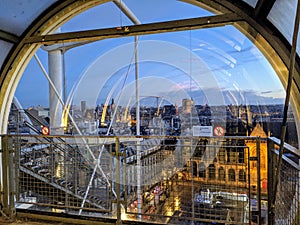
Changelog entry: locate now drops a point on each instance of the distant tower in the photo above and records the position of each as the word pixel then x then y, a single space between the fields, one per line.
pixel 83 107
pixel 113 106
pixel 176 110
pixel 187 105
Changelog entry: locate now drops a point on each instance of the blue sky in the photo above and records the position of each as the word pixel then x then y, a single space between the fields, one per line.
pixel 236 64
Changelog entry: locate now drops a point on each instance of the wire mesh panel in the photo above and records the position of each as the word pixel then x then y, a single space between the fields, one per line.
pixel 287 204
pixel 191 179
pixel 173 180
pixel 62 175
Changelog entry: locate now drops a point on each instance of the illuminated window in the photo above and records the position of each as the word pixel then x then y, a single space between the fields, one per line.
pixel 242 176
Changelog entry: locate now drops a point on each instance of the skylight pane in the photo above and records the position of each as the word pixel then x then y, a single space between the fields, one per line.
pixel 16 16
pixel 251 2
pixel 283 13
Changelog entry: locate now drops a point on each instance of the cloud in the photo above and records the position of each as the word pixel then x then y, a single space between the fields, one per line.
pixel 235 97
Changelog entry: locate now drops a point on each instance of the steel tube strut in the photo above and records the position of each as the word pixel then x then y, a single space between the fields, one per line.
pixel 134 30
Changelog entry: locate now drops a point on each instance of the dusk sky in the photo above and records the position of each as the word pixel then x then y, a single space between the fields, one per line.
pixel 221 63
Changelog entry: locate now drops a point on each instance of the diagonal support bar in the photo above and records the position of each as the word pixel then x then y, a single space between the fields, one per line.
pixel 6 36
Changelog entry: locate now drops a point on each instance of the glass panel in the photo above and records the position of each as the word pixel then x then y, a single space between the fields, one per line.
pixel 38 84
pixel 282 15
pixel 251 2
pixel 215 74
pixel 109 15
pixel 158 11
pixel 193 83
pixel 15 16
pixel 5 48
pixel 104 16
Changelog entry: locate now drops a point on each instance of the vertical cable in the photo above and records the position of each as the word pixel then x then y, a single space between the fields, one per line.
pixel 190 56
pixel 120 13
pixel 191 119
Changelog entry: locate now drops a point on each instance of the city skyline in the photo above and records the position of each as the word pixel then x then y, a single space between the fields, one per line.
pixel 235 66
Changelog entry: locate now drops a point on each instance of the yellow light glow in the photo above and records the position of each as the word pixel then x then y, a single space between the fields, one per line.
pixel 65 116
pixel 169 212
pixel 123 214
pixel 103 114
pixel 58 170
pixel 176 203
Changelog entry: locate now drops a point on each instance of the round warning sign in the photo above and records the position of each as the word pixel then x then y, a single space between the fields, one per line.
pixel 45 130
pixel 219 131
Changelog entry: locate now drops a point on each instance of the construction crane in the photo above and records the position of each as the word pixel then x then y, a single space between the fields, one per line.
pixel 158 104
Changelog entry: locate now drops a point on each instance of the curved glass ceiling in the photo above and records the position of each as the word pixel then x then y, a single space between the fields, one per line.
pixel 110 15
pixel 16 16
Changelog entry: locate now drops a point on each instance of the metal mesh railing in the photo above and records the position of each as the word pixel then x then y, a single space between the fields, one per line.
pixel 172 180
pixel 287 205
pixel 58 174
pixel 193 183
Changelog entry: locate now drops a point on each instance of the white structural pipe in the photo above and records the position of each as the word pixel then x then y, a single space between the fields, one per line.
pixel 55 64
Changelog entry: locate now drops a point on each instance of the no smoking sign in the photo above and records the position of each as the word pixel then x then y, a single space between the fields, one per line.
pixel 45 130
pixel 219 131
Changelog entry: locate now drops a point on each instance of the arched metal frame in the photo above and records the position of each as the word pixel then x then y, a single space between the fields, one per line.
pixel 252 22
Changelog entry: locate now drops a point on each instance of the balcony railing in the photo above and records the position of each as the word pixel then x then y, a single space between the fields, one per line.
pixel 287 198
pixel 170 179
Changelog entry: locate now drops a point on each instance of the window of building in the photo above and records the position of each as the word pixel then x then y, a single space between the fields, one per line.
pixel 211 172
pixel 194 168
pixel 222 174
pixel 242 176
pixel 202 170
pixel 231 175
pixel 222 155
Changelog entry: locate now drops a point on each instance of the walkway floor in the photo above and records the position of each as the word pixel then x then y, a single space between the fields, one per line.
pixel 22 222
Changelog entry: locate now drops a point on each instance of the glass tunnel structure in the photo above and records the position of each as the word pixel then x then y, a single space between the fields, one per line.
pixel 170 112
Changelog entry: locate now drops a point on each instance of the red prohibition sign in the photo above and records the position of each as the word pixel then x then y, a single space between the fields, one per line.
pixel 219 131
pixel 45 130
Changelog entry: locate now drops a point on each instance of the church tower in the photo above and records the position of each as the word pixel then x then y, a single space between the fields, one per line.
pixel 258 132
